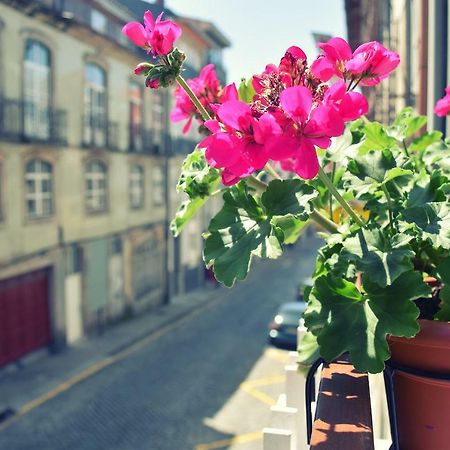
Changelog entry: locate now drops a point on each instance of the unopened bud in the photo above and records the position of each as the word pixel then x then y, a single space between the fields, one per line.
pixel 143 68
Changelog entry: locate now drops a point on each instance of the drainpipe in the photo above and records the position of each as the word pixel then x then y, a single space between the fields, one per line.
pixel 423 59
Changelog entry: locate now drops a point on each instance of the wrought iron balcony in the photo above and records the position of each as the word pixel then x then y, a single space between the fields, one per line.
pixel 100 133
pixel 24 121
pixel 144 141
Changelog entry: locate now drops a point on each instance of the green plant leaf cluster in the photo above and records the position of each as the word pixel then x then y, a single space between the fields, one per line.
pixel 198 181
pixel 248 226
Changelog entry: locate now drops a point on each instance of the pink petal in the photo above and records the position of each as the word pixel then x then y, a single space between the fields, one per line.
pixel 256 154
pixel 149 21
pixel 187 125
pixel 353 106
pixel 337 49
pixel 296 102
pixel 282 147
pixel 296 52
pixel 442 107
pixel 228 178
pixel 212 125
pixel 307 163
pixel 358 64
pixel 324 69
pixel 229 92
pixel 235 114
pixel 336 91
pixel 135 32
pixel 324 121
pixel 265 128
pixel 222 150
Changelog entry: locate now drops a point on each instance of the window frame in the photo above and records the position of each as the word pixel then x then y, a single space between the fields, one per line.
pixel 37 90
pixel 39 195
pixel 95 110
pixel 136 186
pixel 93 190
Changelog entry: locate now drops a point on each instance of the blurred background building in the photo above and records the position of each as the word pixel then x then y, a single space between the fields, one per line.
pixel 88 168
pixel 419 31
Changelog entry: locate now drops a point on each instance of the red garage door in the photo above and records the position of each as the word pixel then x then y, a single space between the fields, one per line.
pixel 24 315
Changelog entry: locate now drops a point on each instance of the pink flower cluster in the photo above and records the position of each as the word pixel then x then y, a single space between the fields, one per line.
pixel 156 36
pixel 368 65
pixel 442 107
pixel 291 114
pixel 208 90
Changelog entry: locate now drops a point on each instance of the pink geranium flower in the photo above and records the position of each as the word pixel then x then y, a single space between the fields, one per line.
pixel 157 36
pixel 372 62
pixel 308 127
pixel 442 107
pixel 336 52
pixel 237 144
pixel 350 105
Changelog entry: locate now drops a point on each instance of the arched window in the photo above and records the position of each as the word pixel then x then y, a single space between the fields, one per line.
pixel 136 186
pixel 136 113
pixel 95 117
pixel 96 186
pixel 36 90
pixel 39 188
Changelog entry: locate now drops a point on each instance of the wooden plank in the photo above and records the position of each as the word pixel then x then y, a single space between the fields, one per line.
pixel 343 418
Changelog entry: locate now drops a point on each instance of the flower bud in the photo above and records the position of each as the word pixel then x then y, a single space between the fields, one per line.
pixel 143 68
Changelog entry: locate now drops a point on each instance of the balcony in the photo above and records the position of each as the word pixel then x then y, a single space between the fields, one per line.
pixel 99 133
pixel 144 141
pixel 22 121
pixel 181 146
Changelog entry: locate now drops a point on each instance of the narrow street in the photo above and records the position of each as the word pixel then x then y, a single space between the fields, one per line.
pixel 205 384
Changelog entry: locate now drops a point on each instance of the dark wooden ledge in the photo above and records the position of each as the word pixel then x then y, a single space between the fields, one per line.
pixel 343 417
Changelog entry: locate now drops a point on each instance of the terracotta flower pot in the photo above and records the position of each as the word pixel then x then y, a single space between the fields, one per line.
pixel 423 404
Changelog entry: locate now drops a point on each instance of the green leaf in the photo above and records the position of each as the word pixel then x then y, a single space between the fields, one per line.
pixel 396 172
pixel 406 124
pixel 197 178
pixel 427 188
pixel 373 165
pixel 432 221
pixel 291 227
pixel 343 147
pixel 376 138
pixel 185 212
pixel 422 142
pixel 243 228
pixel 308 349
pixel 289 197
pixel 345 320
pixel 246 91
pixel 374 256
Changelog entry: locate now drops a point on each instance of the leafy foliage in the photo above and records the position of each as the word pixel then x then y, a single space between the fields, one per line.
pixel 198 181
pixel 336 305
pixel 246 227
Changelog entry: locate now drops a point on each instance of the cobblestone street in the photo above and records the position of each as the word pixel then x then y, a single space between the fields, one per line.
pixel 205 384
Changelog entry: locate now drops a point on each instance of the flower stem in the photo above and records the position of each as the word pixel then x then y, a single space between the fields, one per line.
pixel 389 200
pixel 182 82
pixel 272 171
pixel 332 188
pixel 259 185
pixel 324 222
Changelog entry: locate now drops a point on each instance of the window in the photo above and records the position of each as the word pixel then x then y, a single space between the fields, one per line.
pixel 98 21
pixel 39 189
pixel 95 123
pixel 36 90
pixel 158 115
pixel 158 186
pixel 215 56
pixel 96 186
pixel 137 186
pixel 135 96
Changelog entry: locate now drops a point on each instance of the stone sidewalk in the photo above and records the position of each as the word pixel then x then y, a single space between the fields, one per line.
pixel 20 385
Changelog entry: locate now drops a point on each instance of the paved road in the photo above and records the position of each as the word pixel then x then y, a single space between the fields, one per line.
pixel 169 394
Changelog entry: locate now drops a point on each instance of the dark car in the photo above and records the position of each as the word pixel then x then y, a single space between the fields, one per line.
pixel 283 328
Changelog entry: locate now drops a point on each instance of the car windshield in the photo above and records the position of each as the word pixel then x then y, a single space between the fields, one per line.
pixel 292 311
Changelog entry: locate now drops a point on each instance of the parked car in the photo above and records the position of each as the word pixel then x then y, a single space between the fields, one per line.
pixel 283 328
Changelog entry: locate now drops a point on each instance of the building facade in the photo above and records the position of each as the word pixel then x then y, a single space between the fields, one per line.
pixel 85 154
pixel 419 31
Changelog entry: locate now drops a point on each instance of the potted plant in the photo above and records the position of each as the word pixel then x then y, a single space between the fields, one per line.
pixel 380 194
